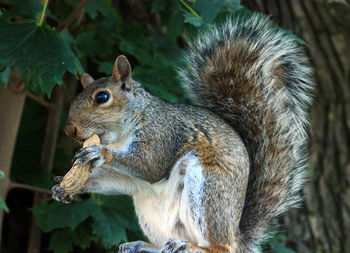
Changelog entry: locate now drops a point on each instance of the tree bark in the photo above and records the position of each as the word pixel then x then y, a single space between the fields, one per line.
pixel 323 224
pixel 12 100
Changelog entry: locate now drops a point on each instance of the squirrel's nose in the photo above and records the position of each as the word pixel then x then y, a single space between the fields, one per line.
pixel 71 130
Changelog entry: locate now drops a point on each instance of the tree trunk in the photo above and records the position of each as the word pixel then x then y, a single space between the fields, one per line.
pixel 12 100
pixel 323 224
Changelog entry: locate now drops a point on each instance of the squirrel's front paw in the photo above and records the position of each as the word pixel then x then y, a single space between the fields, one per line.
pixel 96 155
pixel 59 194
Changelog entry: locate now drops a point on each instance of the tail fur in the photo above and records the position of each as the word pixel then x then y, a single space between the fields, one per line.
pixel 252 74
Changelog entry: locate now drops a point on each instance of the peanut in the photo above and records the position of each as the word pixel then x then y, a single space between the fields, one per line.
pixel 76 177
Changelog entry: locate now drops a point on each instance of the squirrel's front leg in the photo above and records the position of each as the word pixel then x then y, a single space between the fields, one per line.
pixel 110 174
pixel 107 182
pixel 96 154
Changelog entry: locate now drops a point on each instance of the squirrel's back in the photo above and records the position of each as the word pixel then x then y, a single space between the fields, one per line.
pixel 253 75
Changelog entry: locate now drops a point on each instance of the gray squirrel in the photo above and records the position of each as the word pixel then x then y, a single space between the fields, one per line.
pixel 207 177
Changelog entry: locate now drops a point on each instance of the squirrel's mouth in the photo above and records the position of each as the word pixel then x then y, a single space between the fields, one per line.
pixel 78 139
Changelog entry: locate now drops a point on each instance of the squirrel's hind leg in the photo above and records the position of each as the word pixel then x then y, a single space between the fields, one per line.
pixel 195 207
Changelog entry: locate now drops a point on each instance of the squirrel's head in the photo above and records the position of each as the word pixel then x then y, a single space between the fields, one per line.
pixel 100 108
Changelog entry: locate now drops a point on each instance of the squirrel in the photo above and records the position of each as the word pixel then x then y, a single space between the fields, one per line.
pixel 207 177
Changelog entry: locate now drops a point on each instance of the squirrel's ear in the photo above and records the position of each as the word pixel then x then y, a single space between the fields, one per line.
pixel 86 80
pixel 122 71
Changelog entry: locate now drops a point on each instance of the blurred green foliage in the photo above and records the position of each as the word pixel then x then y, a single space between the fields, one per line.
pixel 2 202
pixel 152 39
pixel 110 219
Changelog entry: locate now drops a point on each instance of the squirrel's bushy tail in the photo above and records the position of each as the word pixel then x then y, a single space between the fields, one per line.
pixel 253 74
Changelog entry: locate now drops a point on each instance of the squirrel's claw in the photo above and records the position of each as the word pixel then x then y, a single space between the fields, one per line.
pixel 138 247
pixel 58 179
pixel 91 154
pixel 179 246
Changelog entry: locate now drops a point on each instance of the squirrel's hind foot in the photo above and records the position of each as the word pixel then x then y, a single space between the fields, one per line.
pixel 172 246
pixel 180 246
pixel 138 247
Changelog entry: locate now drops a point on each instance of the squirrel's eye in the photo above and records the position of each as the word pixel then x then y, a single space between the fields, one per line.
pixel 101 97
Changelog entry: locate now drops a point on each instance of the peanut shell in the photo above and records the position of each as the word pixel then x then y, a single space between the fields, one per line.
pixel 76 177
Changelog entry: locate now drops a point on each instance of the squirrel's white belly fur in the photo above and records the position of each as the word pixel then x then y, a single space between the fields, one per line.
pixel 173 207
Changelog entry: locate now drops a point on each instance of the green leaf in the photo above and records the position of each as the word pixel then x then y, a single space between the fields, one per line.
pixel 82 235
pixel 159 81
pixel 2 202
pixel 208 10
pixel 106 67
pixel 61 241
pixel 111 217
pixel 92 8
pixel 87 44
pixel 40 53
pixel 173 19
pixel 3 205
pixel 66 36
pixel 104 7
pixel 27 9
pixel 158 5
pixel 5 75
pixel 59 215
pixel 192 19
pixel 280 248
pixel 108 226
pixel 275 243
pixel 291 35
